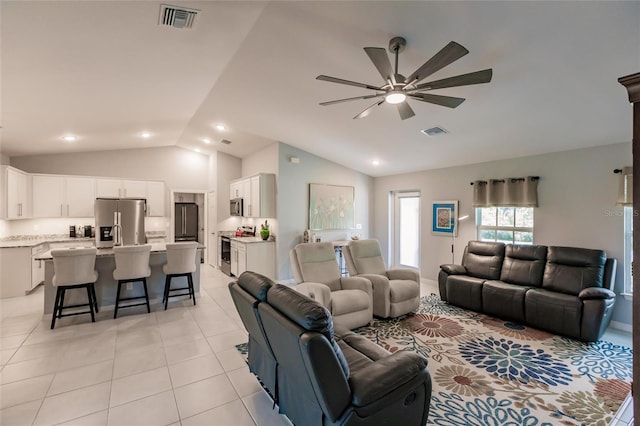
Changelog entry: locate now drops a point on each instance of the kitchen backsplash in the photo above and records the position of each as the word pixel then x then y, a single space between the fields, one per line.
pixel 61 225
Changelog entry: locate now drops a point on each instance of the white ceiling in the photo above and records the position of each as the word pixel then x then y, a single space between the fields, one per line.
pixel 105 71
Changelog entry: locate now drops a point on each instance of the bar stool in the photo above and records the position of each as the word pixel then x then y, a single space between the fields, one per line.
pixel 181 262
pixel 74 268
pixel 132 265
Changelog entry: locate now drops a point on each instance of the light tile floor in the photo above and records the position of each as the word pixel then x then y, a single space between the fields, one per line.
pixel 174 367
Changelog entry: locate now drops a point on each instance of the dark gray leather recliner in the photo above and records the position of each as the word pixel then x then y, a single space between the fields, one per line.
pixel 564 290
pixel 341 379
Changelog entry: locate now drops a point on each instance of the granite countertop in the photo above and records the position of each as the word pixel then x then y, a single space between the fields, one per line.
pixel 108 252
pixel 250 239
pixel 18 241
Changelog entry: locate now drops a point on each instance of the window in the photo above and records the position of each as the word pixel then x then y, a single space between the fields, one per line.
pixel 406 229
pixel 628 249
pixel 505 224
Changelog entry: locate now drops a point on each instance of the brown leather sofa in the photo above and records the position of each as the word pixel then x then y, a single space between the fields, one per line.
pixel 564 290
pixel 319 378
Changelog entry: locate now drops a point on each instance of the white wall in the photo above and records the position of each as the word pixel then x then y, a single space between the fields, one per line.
pixel 293 199
pixel 577 195
pixel 228 169
pixel 4 160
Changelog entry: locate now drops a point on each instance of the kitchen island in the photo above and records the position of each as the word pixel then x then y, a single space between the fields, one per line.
pixel 106 287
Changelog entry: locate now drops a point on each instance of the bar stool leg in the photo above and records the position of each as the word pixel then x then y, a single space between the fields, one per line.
pixel 167 285
pixel 95 299
pixel 93 318
pixel 55 307
pixel 115 310
pixel 192 292
pixel 146 294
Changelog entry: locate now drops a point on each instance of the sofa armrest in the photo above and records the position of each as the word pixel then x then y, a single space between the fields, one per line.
pixel 452 269
pixel 381 379
pixel 596 293
pixel 404 274
pixel 316 291
pixel 356 283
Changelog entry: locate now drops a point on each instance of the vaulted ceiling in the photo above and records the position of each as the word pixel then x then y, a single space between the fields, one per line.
pixel 105 71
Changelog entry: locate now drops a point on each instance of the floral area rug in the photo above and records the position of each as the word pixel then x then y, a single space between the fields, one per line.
pixel 487 371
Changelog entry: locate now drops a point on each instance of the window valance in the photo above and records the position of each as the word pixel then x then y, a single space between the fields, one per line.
pixel 506 192
pixel 625 187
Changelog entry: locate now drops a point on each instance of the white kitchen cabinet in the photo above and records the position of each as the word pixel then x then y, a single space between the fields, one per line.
pixel 19 271
pixel 134 189
pixel 80 195
pixel 261 201
pixel 152 191
pixel 16 193
pixel 155 199
pixel 234 258
pixel 258 257
pixel 108 188
pixel 63 196
pixel 235 189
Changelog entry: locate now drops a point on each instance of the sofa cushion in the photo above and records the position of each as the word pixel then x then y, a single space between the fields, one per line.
pixel 552 311
pixel 484 259
pixel 317 263
pixel 569 270
pixel 401 290
pixel 367 257
pixel 465 291
pixel 523 265
pixel 504 300
pixel 255 284
pixel 347 301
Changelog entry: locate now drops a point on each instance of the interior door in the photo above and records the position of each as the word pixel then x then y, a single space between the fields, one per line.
pixel 212 240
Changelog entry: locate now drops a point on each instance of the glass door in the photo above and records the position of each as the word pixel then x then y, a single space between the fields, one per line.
pixel 406 229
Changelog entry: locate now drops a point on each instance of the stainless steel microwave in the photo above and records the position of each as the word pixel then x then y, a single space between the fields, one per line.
pixel 235 208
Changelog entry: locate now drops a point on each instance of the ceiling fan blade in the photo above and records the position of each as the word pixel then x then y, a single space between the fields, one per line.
pixel 477 77
pixel 447 101
pixel 366 112
pixel 405 110
pixel 347 82
pixel 450 53
pixel 350 99
pixel 379 57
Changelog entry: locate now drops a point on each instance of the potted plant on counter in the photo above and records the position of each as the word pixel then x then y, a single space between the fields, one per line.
pixel 264 230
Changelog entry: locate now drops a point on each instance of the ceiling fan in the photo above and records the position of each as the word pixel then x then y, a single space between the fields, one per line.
pixel 397 88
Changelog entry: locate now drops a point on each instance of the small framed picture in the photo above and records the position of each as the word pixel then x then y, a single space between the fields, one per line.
pixel 444 221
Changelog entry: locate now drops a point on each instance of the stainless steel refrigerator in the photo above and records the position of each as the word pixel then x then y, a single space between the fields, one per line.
pixel 120 221
pixel 186 224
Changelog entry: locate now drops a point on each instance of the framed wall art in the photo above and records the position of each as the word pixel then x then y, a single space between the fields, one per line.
pixel 331 206
pixel 444 221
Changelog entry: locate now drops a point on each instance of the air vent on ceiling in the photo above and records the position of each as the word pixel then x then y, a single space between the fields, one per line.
pixel 177 17
pixel 225 141
pixel 434 131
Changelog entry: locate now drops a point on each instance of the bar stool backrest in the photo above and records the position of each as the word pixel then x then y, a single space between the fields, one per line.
pixel 74 266
pixel 181 258
pixel 132 262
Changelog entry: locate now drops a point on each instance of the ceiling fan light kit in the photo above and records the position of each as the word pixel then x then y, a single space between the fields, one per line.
pixel 397 89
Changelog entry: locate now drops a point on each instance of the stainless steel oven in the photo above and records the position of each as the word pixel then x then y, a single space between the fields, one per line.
pixel 225 255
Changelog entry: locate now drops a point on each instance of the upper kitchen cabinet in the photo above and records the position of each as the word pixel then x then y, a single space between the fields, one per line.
pixel 152 191
pixel 63 196
pixel 16 194
pixel 258 193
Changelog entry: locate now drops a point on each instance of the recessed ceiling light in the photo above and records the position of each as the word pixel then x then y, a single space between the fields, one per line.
pixel 375 162
pixel 221 127
pixel 197 150
pixel 145 135
pixel 207 141
pixel 69 138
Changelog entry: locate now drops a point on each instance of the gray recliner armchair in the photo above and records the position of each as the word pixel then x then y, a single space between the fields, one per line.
pixel 395 291
pixel 317 274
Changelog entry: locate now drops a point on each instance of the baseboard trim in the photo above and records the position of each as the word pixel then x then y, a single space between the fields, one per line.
pixel 621 326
